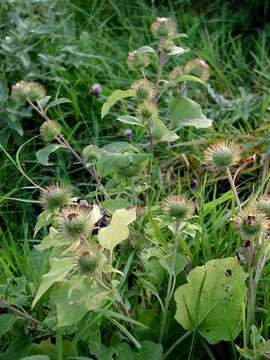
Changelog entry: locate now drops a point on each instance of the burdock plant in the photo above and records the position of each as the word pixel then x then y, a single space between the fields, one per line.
pixel 253 227
pixel 252 222
pixel 148 92
pixel 221 157
pixel 180 209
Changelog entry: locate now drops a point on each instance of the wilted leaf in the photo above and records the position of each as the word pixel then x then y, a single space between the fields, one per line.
pixel 59 270
pixel 43 154
pixel 186 112
pixel 211 302
pixel 117 230
pixel 112 99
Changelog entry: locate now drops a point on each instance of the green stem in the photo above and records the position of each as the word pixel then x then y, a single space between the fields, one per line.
pixel 59 344
pixel 133 191
pixel 21 314
pixel 170 290
pixel 251 292
pixel 228 172
pixel 182 338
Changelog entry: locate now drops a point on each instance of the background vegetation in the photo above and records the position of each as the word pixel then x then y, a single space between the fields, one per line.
pixel 70 45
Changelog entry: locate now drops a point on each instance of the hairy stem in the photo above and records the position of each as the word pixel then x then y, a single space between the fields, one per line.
pixel 64 142
pixel 133 191
pixel 151 151
pixel 228 172
pixel 19 313
pixel 162 59
pixel 251 291
pixel 170 290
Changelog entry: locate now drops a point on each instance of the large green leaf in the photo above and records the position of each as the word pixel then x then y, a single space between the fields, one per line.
pixel 186 112
pixel 161 133
pixel 48 348
pixel 119 155
pixel 112 99
pixel 117 230
pixel 6 323
pixel 17 349
pixel 212 300
pixel 44 153
pixel 150 351
pixel 54 238
pixel 80 294
pixel 59 270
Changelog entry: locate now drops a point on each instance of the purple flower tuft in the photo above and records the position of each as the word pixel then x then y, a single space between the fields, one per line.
pixel 96 89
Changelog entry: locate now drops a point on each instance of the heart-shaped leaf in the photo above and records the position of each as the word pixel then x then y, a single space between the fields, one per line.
pixel 59 270
pixel 79 292
pixel 117 230
pixel 212 301
pixel 186 112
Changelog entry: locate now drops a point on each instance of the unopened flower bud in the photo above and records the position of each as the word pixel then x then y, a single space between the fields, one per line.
pixel 166 45
pixel 198 68
pixel 55 196
pixel 49 130
pixel 147 112
pixel 138 60
pixel 90 153
pixel 163 27
pixel 27 90
pixel 251 224
pixel 263 205
pixel 74 222
pixel 222 154
pixel 176 72
pixel 88 262
pixel 179 207
pixel 128 134
pixel 143 90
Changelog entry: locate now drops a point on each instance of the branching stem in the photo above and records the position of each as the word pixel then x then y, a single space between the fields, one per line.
pixel 228 172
